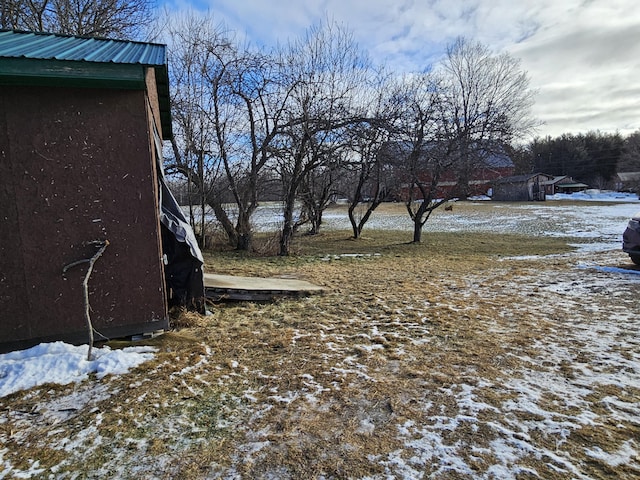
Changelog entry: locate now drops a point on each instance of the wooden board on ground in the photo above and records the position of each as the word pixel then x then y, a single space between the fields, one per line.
pixel 230 287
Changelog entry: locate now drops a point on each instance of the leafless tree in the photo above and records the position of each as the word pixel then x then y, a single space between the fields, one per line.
pixel 250 96
pixel 125 19
pixel 320 187
pixel 354 168
pixel 486 103
pixel 194 146
pixel 418 153
pixel 370 177
pixel 324 71
pixel 239 96
pixel 371 181
pixel 474 103
pixel 242 112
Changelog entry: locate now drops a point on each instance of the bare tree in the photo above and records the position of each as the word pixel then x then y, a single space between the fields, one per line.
pixel 239 97
pixel 472 105
pixel 250 95
pixel 418 153
pixel 486 103
pixel 353 168
pixel 302 153
pixel 324 69
pixel 194 146
pixel 371 177
pixel 126 19
pixel 321 186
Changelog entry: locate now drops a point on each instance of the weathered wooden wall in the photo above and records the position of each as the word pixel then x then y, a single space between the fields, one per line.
pixel 76 165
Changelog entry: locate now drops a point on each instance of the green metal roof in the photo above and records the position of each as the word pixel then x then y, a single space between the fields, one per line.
pixel 29 58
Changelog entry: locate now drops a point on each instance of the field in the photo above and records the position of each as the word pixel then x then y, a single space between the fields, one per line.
pixel 505 346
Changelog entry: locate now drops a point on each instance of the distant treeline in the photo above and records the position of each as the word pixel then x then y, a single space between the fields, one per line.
pixel 593 158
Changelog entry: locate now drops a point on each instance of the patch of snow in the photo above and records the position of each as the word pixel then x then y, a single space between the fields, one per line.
pixel 327 258
pixel 62 363
pixel 621 457
pixel 288 398
pixel 7 469
pixel 595 195
pixel 605 269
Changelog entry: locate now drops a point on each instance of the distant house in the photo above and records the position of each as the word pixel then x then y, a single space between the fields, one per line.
pixel 521 188
pixel 564 184
pixel 478 180
pixel 490 168
pixel 81 127
pixel 627 182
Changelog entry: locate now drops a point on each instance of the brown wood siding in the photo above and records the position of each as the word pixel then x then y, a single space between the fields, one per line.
pixel 152 96
pixel 153 121
pixel 13 309
pixel 77 166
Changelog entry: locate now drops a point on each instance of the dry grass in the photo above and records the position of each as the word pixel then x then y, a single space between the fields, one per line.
pixel 337 385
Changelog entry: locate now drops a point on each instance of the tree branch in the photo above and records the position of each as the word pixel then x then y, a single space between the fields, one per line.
pixel 102 246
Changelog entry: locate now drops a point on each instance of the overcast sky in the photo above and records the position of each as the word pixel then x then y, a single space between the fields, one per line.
pixel 582 56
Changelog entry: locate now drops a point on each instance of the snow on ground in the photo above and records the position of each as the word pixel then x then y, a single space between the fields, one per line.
pixel 589 222
pixel 62 363
pixel 549 218
pixel 578 376
pixel 591 346
pixel 586 222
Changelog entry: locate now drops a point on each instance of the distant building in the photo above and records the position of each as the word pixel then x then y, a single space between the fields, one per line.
pixel 521 188
pixel 627 182
pixel 490 168
pixel 564 184
pixel 484 169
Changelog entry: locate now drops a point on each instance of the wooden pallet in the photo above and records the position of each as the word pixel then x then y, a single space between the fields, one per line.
pixel 229 287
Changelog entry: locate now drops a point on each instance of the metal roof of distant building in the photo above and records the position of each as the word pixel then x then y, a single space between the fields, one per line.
pixel 498 160
pixel 628 176
pixel 520 178
pixel 50 46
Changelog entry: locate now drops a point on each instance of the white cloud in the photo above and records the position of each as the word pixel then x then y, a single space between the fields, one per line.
pixel 583 56
pixel 584 63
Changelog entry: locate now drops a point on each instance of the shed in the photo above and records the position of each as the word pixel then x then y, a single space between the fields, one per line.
pixel 81 127
pixel 563 184
pixel 521 188
pixel 627 182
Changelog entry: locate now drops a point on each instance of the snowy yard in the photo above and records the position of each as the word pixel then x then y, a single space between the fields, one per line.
pixel 495 366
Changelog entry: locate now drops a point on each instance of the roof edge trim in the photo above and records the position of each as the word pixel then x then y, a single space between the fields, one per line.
pixel 22 71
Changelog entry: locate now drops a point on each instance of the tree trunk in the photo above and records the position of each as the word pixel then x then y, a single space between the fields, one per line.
pixel 417 230
pixel 287 232
pixel 223 218
pixel 355 228
pixel 203 200
pixel 286 237
pixel 419 221
pixel 316 221
pixel 244 235
pixel 288 227
pixel 244 242
pixel 352 219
